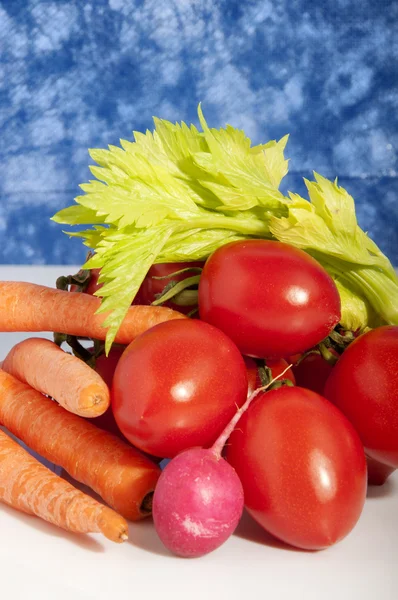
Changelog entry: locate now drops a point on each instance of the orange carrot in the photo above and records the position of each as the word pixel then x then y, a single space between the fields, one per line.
pixel 119 473
pixel 67 379
pixel 30 307
pixel 28 486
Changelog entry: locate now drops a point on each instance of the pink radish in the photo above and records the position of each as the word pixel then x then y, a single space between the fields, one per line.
pixel 198 500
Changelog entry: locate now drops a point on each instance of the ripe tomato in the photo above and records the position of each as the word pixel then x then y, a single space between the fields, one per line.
pixel 105 366
pixel 378 472
pixel 312 372
pixel 277 366
pixel 272 299
pixel 151 287
pixel 176 386
pixel 364 385
pixel 302 467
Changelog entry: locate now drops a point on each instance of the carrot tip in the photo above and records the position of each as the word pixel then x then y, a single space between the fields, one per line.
pixel 124 537
pixel 98 400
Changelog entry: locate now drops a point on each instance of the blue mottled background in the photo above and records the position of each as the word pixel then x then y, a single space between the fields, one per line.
pixel 82 74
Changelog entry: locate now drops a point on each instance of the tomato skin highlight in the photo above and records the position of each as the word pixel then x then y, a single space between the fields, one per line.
pixel 302 467
pixel 270 298
pixel 364 386
pixel 176 386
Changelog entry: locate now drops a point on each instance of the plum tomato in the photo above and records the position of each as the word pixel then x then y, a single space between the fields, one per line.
pixel 271 299
pixel 302 467
pixel 106 366
pixel 277 366
pixel 176 386
pixel 312 372
pixel 364 385
pixel 378 472
pixel 151 286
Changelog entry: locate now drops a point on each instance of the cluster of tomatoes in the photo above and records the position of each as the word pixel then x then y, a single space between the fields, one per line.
pixel 301 449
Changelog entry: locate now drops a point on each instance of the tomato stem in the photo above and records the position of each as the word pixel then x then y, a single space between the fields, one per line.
pixel 326 354
pixel 265 376
pixel 180 272
pixel 186 298
pixel 78 349
pixel 305 355
pixel 81 279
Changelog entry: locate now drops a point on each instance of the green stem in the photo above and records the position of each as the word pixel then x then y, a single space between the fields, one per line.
pixel 186 298
pixel 327 355
pixel 180 272
pixel 176 289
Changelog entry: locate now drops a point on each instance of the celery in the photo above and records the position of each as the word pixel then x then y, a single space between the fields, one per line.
pixel 178 194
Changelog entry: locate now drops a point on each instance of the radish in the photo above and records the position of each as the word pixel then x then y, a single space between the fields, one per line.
pixel 198 499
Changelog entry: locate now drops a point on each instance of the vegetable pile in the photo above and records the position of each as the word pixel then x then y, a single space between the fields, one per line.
pixel 248 337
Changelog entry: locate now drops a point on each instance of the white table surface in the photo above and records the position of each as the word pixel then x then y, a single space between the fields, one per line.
pixel 38 560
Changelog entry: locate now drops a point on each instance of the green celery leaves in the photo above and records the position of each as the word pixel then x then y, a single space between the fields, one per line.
pixel 178 194
pixel 174 194
pixel 327 228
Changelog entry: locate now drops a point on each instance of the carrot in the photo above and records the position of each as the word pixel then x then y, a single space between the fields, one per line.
pixel 28 486
pixel 67 379
pixel 119 473
pixel 30 307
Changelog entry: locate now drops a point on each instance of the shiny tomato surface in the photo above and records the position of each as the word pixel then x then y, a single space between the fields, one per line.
pixel 364 385
pixel 271 299
pixel 176 386
pixel 302 467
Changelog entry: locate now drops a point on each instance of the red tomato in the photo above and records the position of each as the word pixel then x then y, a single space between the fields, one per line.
pixel 378 472
pixel 277 367
pixel 151 287
pixel 105 366
pixel 364 385
pixel 312 372
pixel 176 386
pixel 93 284
pixel 302 467
pixel 270 298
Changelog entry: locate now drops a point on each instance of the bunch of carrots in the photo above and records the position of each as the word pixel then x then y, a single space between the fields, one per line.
pixel 47 397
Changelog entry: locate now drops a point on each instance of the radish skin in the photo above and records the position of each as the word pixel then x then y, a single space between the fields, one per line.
pixel 198 499
pixel 195 515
